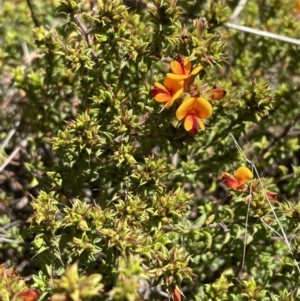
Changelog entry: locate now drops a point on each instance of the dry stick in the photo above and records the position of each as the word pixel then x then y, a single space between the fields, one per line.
pixel 238 9
pixel 9 158
pixel 9 240
pixel 277 138
pixel 16 223
pixel 294 133
pixel 197 227
pixel 262 33
pixel 9 136
pixel 284 236
pixel 12 155
pixel 246 229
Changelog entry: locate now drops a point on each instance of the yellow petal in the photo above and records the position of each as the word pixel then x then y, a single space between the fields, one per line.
pixel 160 86
pixel 203 108
pixel 162 97
pixel 201 124
pixel 184 108
pixel 177 68
pixel 187 65
pixel 193 124
pixel 196 70
pixel 177 76
pixel 174 97
pixel 243 174
pixel 188 123
pixel 178 93
pixel 173 85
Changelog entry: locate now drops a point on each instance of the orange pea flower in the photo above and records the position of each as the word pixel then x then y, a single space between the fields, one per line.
pixel 242 175
pixel 182 69
pixel 29 295
pixel 216 94
pixel 168 93
pixel 192 110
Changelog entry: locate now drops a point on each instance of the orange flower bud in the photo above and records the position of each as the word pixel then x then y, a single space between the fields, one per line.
pixel 230 181
pixel 216 94
pixel 273 196
pixel 176 296
pixel 29 295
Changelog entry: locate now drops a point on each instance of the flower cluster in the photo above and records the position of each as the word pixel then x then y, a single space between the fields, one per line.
pixel 193 107
pixel 242 175
pixel 239 181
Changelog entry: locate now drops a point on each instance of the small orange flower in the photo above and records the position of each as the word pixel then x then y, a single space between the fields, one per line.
pixel 242 175
pixel 193 110
pixel 168 93
pixel 181 69
pixel 216 94
pixel 29 295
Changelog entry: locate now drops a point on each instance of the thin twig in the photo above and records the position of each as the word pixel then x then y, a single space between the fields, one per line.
pixel 246 231
pixel 25 51
pixel 16 223
pixel 238 9
pixel 86 34
pixel 9 240
pixel 197 227
pixel 9 158
pixel 291 236
pixel 9 136
pixel 294 133
pixel 12 155
pixel 263 33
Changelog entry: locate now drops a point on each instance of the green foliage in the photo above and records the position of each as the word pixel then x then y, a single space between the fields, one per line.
pixel 105 194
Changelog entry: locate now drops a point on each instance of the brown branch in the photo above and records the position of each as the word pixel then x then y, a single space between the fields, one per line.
pixel 277 138
pixel 86 33
pixel 34 18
